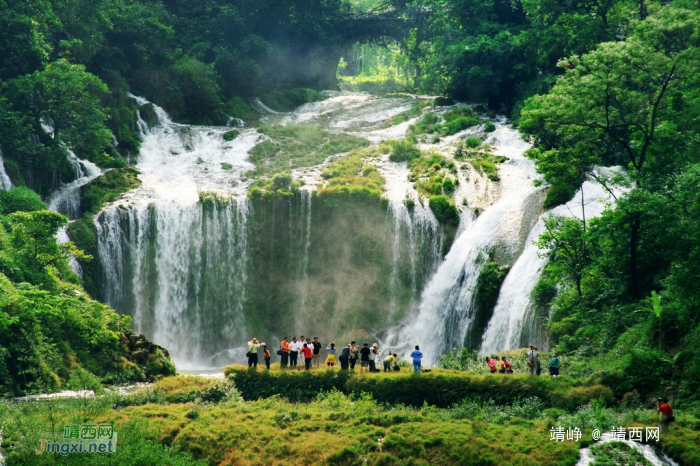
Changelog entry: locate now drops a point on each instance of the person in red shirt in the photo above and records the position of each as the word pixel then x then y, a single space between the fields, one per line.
pixel 308 355
pixel 506 368
pixel 492 364
pixel 666 414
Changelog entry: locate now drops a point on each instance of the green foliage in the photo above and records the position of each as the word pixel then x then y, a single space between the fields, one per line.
pixel 444 210
pixel 107 188
pixel 20 199
pixel 441 389
pixel 472 142
pixel 488 286
pixel 231 135
pixel 558 194
pixel 298 145
pixel 62 338
pixel 403 150
pixel 351 176
pixel 69 97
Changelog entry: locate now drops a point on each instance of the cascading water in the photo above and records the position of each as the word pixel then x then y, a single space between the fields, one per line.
pixel 513 324
pixel 66 199
pixel 5 182
pixel 305 233
pixel 447 307
pixel 177 253
pixel 174 252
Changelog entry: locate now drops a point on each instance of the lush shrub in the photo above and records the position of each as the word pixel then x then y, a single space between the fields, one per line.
pixel 20 199
pixel 472 142
pixel 441 389
pixel 404 150
pixel 444 210
pixel 559 193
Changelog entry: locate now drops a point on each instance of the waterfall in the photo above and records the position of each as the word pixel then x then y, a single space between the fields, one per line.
pixel 305 233
pixel 180 271
pixel 446 309
pixel 66 199
pixel 514 324
pixel 5 182
pixel 173 253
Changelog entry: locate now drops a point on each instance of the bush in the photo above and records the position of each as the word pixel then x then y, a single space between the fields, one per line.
pixel 559 193
pixel 489 127
pixel 442 389
pixel 404 150
pixel 20 199
pixel 472 142
pixel 444 210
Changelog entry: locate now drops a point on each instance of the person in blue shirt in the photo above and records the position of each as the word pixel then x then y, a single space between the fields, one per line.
pixel 416 355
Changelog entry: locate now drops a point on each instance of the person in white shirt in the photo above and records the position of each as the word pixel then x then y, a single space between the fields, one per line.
pixel 295 347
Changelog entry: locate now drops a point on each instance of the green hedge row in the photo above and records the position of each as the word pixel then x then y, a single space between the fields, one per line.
pixel 438 389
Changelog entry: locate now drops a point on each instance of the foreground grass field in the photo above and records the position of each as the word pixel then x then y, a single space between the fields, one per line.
pixel 196 421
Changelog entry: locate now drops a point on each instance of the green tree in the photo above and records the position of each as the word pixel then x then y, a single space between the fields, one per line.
pixel 34 237
pixel 565 244
pixel 614 106
pixel 24 45
pixel 68 98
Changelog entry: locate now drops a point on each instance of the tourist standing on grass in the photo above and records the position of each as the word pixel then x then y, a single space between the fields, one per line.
pixel 308 355
pixel 666 415
pixel 344 358
pixel 364 357
pixel 389 361
pixel 317 353
pixel 253 346
pixel 533 360
pixel 417 356
pixel 376 360
pixel 354 354
pixel 330 359
pixel 295 347
pixel 505 366
pixel 285 347
pixel 266 355
pixel 491 363
pixel 554 367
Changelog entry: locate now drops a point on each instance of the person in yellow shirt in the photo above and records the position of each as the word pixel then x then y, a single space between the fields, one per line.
pixel 389 361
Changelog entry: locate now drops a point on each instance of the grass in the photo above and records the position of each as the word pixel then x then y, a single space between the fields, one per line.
pixel 614 453
pixel 455 120
pixel 107 188
pixel 332 428
pixel 433 175
pixel 298 145
pixel 353 175
pixel 480 157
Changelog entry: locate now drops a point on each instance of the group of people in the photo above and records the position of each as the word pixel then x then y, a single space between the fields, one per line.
pixel 533 364
pixel 289 352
